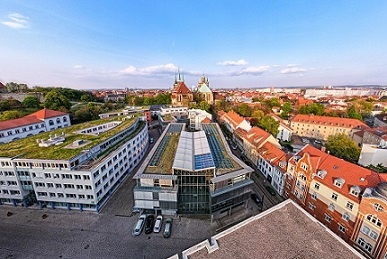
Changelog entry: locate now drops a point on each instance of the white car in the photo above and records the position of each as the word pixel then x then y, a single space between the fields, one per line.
pixel 139 225
pixel 158 224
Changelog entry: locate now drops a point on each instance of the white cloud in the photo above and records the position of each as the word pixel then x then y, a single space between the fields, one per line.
pixel 168 69
pixel 78 67
pixel 16 21
pixel 240 62
pixel 292 70
pixel 292 65
pixel 250 71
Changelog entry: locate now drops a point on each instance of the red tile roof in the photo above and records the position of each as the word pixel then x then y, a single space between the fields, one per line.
pixel 15 123
pixel 325 120
pixel 206 120
pixel 47 113
pixel 271 153
pixel 234 118
pixel 353 174
pixel 1 85
pixel 181 88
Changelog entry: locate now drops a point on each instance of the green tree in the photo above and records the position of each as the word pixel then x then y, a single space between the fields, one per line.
pixel 31 102
pixel 4 105
pixel 353 113
pixel 269 124
pixel 56 101
pixel 314 108
pixel 344 147
pixel 244 110
pixel 203 105
pixel 286 109
pixel 258 114
pixel 10 115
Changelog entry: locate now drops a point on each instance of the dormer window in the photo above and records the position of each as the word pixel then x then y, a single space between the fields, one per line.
pixel 355 190
pixel 339 182
pixel 322 174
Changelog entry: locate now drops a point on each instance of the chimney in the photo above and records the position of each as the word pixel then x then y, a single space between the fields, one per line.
pixel 323 148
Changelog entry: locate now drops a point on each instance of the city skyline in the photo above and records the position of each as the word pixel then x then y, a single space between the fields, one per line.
pixel 90 45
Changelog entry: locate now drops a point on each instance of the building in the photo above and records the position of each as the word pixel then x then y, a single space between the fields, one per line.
pixel 373 155
pixel 284 231
pixel 380 120
pixel 181 95
pixel 233 121
pixel 321 127
pixel 284 131
pixel 192 173
pixel 77 167
pixel 197 117
pixel 35 123
pixel 203 92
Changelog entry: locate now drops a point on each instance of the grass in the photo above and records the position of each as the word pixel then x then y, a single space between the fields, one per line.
pixel 166 161
pixel 28 147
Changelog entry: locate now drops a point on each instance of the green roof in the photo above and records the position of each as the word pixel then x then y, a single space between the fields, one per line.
pixel 29 148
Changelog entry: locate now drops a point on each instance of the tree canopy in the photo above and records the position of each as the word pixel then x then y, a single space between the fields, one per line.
pixel 244 110
pixel 314 108
pixel 286 109
pixel 56 101
pixel 344 147
pixel 31 102
pixel 269 124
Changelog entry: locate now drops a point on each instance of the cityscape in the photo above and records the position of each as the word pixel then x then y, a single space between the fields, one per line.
pixel 125 135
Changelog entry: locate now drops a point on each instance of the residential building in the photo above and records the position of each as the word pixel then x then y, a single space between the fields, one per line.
pixel 197 117
pixel 321 127
pixel 284 130
pixel 192 173
pixel 233 121
pixel 77 167
pixel 284 231
pixel 35 123
pixel 380 120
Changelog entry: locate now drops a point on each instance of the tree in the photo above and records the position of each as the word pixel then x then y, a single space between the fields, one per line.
pixel 257 115
pixel 244 110
pixel 352 113
pixel 286 109
pixel 269 124
pixel 31 102
pixel 10 115
pixel 344 147
pixel 314 108
pixel 56 101
pixel 203 105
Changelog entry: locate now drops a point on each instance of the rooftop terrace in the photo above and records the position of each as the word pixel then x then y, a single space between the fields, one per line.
pixel 29 148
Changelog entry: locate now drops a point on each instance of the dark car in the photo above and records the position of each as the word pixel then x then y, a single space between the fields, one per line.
pixel 150 219
pixel 270 190
pixel 256 199
pixel 167 228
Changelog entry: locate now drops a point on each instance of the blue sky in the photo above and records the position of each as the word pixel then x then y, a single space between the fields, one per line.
pixel 116 44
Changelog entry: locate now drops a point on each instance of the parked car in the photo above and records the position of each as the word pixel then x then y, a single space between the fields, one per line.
pixel 256 199
pixel 317 141
pixel 135 210
pixel 158 224
pixel 167 228
pixel 150 219
pixel 139 225
pixel 270 190
pixel 305 140
pixel 151 140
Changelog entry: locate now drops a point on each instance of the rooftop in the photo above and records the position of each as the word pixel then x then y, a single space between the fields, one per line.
pixel 284 231
pixel 326 120
pixel 29 148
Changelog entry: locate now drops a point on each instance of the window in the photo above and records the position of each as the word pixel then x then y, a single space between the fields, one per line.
pixel 328 218
pixel 90 197
pixel 331 207
pixel 317 186
pixel 52 194
pixel 81 196
pixel 374 220
pixel 68 186
pixel 77 177
pixel 365 230
pixel 42 194
pixel 58 185
pixel 378 207
pixel 79 187
pixel 367 246
pixel 39 184
pixel 88 187
pixel 314 196
pixel 334 196
pixel 67 176
pixel 60 195
pixel 70 195
pixel 346 217
pixel 374 235
pixel 342 228
pixel 47 175
pixel 311 206
pixel 349 205
pixel 86 177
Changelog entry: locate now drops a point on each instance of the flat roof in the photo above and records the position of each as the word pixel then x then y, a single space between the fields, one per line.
pixel 29 148
pixel 284 231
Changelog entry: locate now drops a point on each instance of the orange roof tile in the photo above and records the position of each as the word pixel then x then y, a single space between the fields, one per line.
pixel 46 113
pixel 181 88
pixel 271 153
pixel 353 174
pixel 206 120
pixel 20 122
pixel 234 118
pixel 325 120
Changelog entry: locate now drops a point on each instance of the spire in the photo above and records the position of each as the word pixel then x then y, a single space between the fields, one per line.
pixel 179 74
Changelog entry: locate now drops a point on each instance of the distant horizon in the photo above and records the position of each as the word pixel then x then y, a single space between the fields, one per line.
pixel 249 44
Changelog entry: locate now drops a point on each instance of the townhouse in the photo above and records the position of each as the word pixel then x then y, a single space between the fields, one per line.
pixel 233 121
pixel 347 198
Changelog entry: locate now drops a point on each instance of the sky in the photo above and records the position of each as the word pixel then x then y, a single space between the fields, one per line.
pixel 236 44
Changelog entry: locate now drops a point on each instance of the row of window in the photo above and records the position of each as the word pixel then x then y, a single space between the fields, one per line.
pixel 367 231
pixel 65 186
pixel 32 165
pixel 64 176
pixel 67 195
pixel 12 192
pixel 25 129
